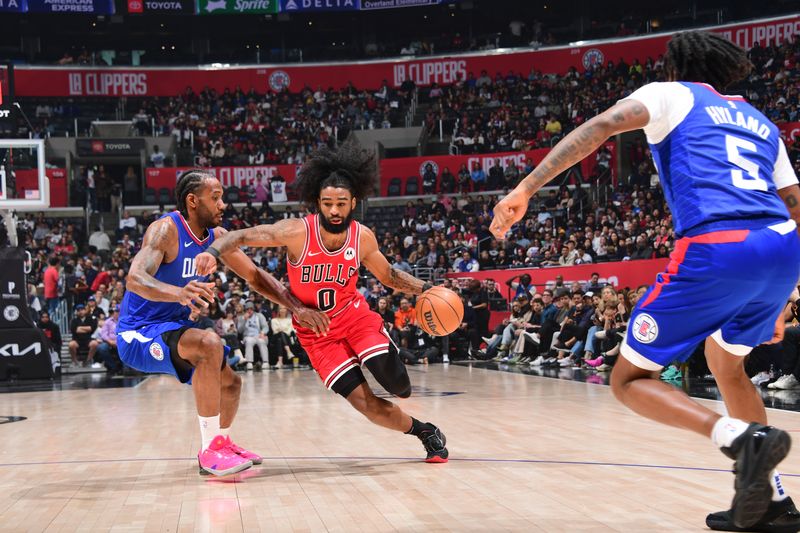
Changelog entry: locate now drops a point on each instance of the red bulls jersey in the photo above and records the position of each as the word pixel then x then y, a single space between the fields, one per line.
pixel 324 279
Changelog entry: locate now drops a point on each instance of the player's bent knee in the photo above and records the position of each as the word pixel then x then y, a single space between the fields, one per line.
pixel 210 347
pixel 390 372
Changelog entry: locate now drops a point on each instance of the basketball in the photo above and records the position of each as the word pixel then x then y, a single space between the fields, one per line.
pixel 439 311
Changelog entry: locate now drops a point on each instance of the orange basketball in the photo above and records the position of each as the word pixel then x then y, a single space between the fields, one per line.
pixel 439 311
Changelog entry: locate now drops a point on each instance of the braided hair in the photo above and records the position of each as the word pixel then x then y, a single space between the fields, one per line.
pixel 189 182
pixel 706 57
pixel 348 167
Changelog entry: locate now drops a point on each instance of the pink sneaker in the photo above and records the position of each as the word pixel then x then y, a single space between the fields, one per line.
pixel 241 452
pixel 594 363
pixel 220 460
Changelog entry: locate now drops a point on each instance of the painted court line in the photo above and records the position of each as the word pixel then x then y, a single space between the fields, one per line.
pixel 409 459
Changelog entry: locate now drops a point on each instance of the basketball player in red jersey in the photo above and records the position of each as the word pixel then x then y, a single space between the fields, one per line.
pixel 325 251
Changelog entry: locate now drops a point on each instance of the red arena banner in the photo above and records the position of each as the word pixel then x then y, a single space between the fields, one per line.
pixel 789 130
pixel 619 274
pixel 58 81
pixel 405 167
pixel 29 180
pixel 167 177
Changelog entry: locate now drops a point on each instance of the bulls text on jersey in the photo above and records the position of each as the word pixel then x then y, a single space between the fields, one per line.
pixel 322 274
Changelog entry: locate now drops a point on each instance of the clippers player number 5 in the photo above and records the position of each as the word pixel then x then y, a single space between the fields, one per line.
pixel 734 201
pixel 325 252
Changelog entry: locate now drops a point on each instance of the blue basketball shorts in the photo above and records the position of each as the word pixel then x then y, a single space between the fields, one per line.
pixel 729 285
pixel 146 350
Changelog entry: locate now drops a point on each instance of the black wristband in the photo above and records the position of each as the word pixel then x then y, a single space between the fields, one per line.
pixel 426 286
pixel 213 251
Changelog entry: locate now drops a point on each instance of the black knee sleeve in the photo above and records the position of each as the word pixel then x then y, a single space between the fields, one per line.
pixel 348 382
pixel 390 372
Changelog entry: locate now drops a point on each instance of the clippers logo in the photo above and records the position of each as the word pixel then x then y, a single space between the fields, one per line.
pixel 645 329
pixel 425 164
pixel 14 350
pixel 11 313
pixel 279 80
pixel 428 316
pixel 593 58
pixel 189 268
pixel 156 351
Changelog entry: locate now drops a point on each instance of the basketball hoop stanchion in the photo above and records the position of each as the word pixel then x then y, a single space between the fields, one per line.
pixel 10 221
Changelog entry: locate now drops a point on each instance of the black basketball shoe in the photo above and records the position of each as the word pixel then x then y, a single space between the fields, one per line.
pixel 757 452
pixel 434 441
pixel 781 517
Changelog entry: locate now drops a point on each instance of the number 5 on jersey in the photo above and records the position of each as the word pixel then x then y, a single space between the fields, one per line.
pixel 752 183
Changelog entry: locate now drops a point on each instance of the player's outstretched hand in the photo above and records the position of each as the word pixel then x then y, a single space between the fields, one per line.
pixel 205 263
pixel 312 319
pixel 508 212
pixel 196 295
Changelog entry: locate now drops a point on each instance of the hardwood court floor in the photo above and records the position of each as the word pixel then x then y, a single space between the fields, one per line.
pixel 527 454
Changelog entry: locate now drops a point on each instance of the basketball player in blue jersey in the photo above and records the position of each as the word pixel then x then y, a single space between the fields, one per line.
pixel 728 182
pixel 156 333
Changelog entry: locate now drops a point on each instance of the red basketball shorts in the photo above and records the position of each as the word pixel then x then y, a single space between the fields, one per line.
pixel 356 334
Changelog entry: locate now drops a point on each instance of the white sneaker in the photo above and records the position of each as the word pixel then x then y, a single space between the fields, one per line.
pixel 761 377
pixel 97 365
pixel 787 382
pixel 249 365
pixel 550 360
pixel 487 340
pixel 567 361
pixel 445 359
pixel 538 361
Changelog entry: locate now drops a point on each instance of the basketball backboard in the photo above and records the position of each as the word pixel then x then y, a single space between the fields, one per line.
pixel 23 182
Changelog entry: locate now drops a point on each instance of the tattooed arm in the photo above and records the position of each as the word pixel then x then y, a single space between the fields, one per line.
pixel 289 232
pixel 160 240
pixel 373 259
pixel 627 115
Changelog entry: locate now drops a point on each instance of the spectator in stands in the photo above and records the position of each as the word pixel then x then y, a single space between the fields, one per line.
pixel 465 263
pixel 253 329
pixel 496 178
pixel 447 184
pixel 429 180
pixel 464 179
pixel 284 337
pixel 405 322
pixel 107 348
pixel 52 277
pixel 523 286
pixel 50 330
pixel 157 157
pixel 82 327
pixel 478 177
pixel 479 302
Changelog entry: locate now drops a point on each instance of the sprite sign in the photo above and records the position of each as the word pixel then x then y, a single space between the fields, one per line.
pixel 236 7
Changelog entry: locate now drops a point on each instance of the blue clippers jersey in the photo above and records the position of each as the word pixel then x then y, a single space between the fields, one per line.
pixel 716 165
pixel 136 311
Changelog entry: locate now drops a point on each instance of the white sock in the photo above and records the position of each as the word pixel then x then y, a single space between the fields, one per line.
pixel 778 492
pixel 209 428
pixel 225 432
pixel 726 430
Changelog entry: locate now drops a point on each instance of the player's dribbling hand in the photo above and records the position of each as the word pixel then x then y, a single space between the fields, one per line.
pixel 205 263
pixel 312 319
pixel 196 295
pixel 508 212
